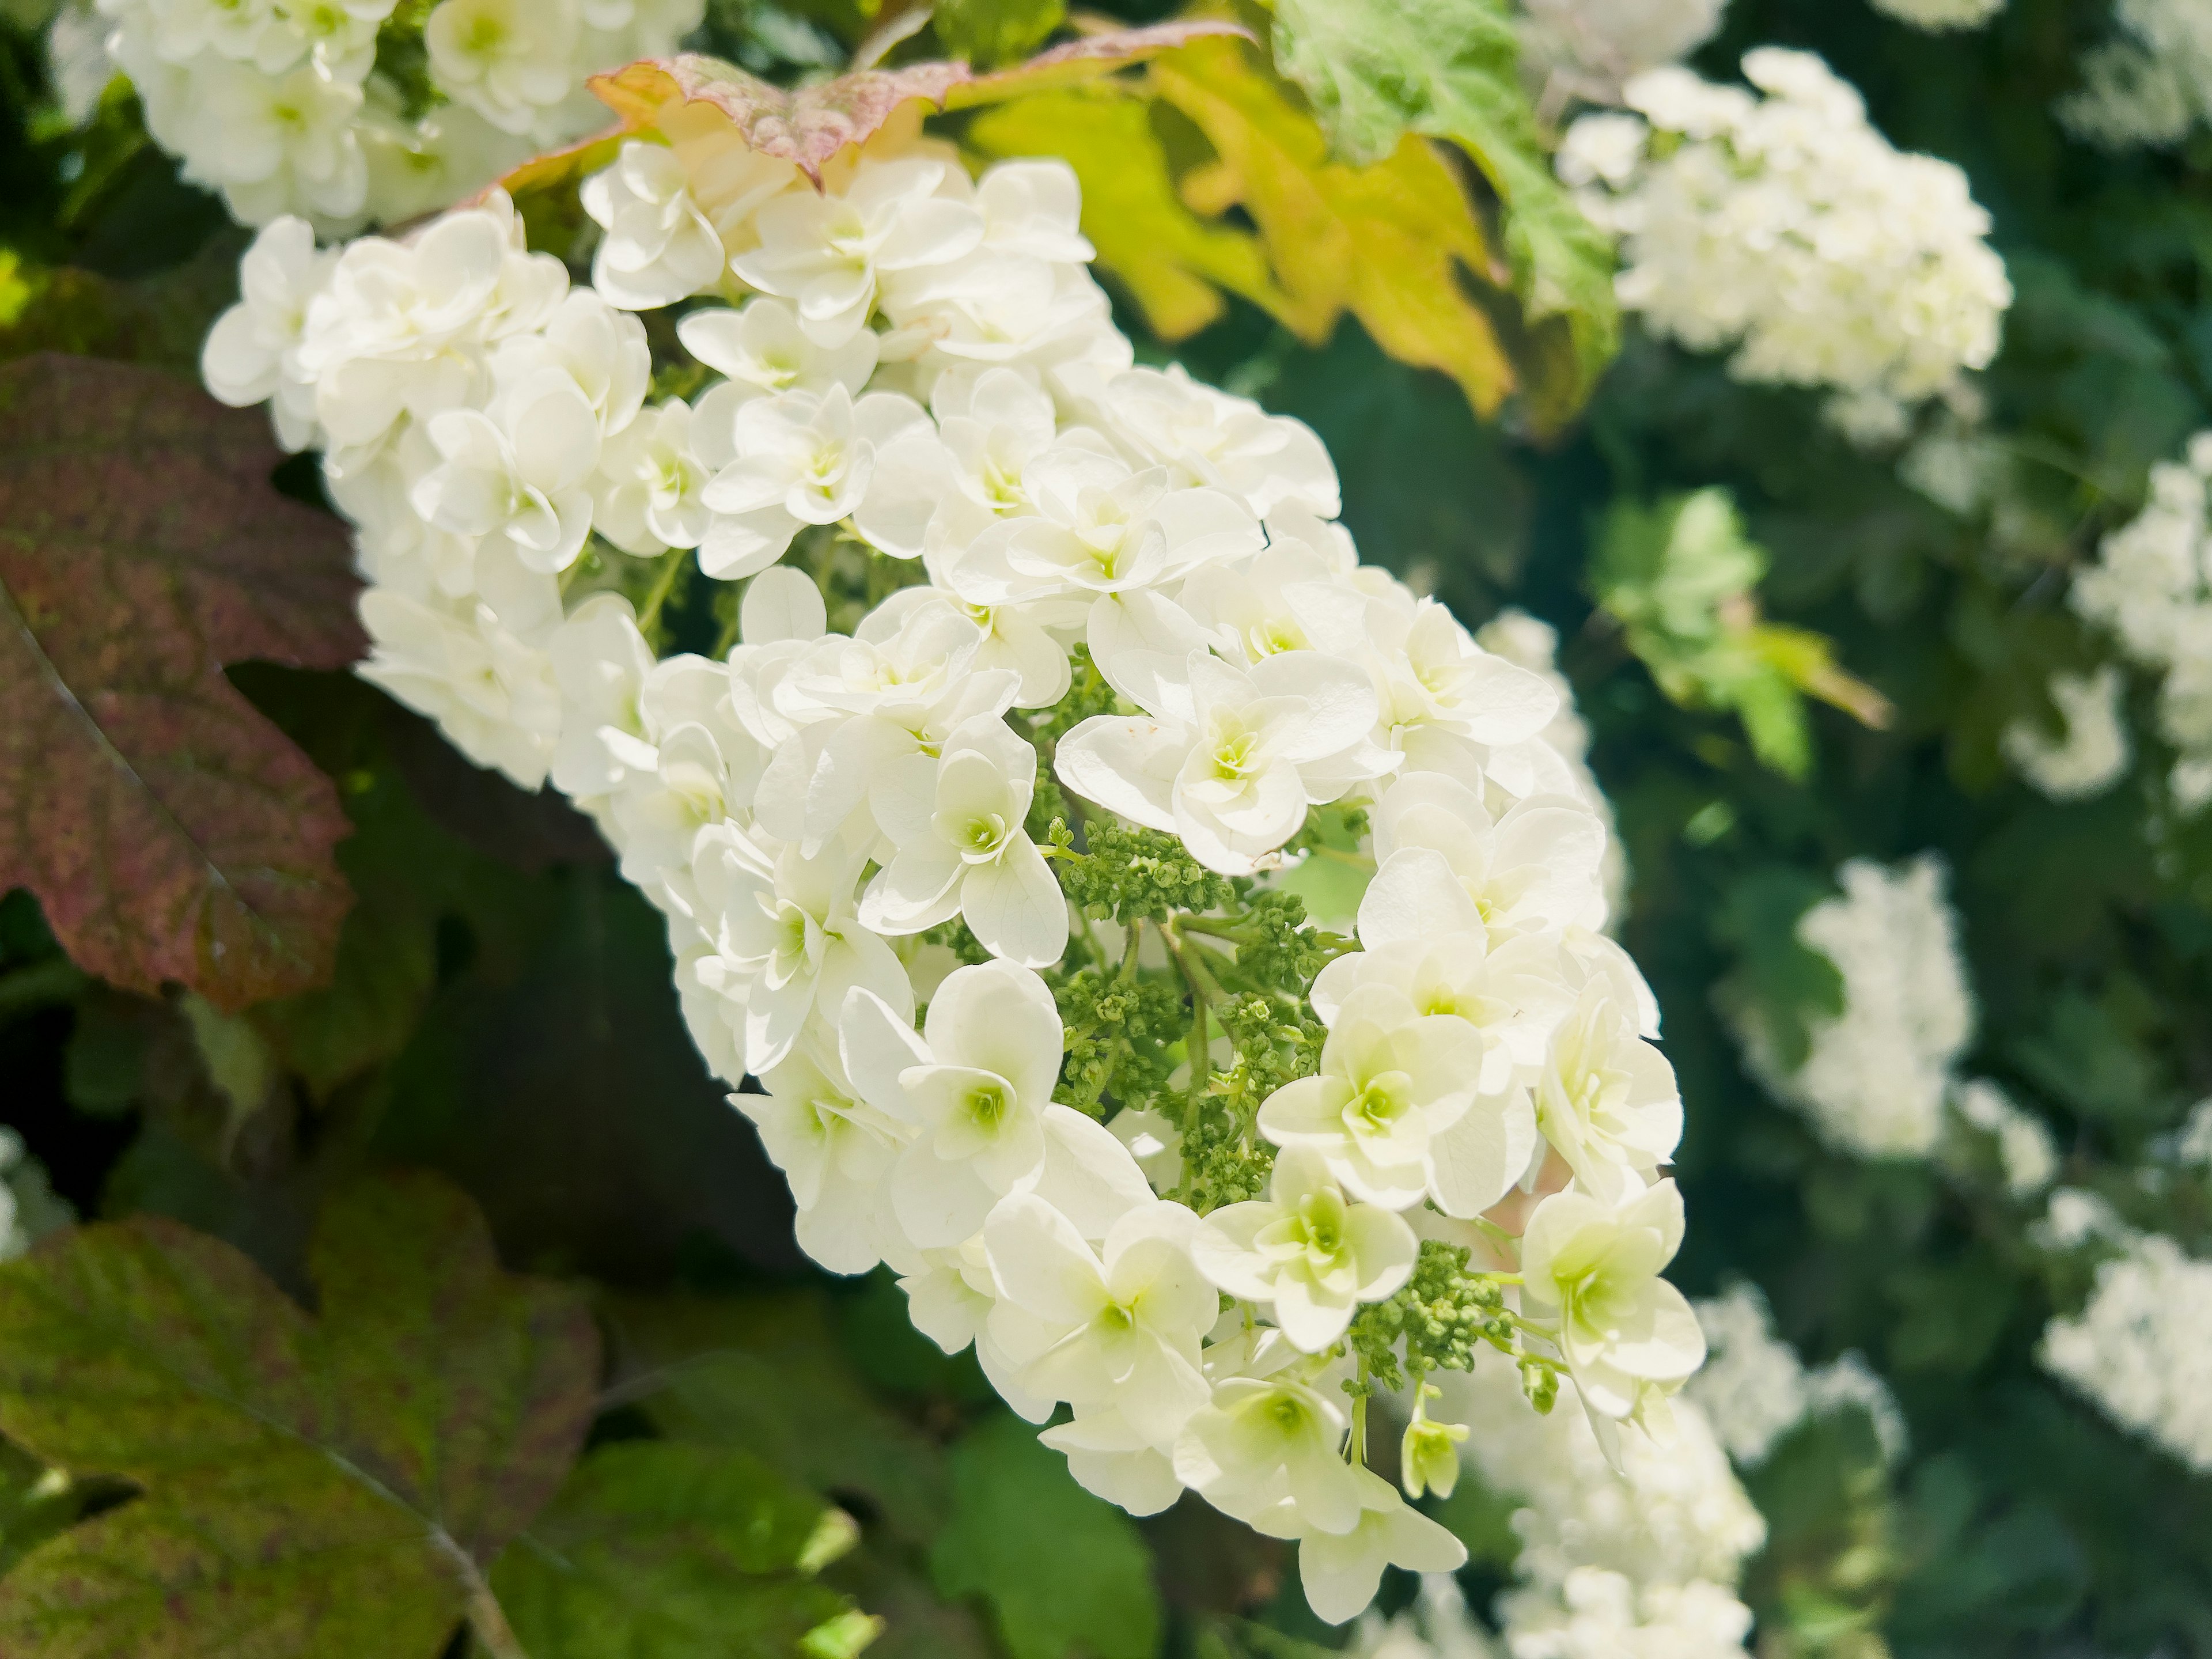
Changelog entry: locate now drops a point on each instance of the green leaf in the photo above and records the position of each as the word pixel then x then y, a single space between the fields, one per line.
pixel 1172 262
pixel 660 1550
pixel 765 1374
pixel 1377 69
pixel 171 833
pixel 1062 1571
pixel 989 32
pixel 309 1485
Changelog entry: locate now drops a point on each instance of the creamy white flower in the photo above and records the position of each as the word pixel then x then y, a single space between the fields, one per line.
pixel 648 495
pixel 1939 17
pixel 937 487
pixel 276 145
pixel 601 663
pixel 825 252
pixel 1445 865
pixel 1624 1332
pixel 788 944
pixel 251 353
pixel 2091 751
pixel 517 471
pixel 836 1150
pixel 2138 1348
pixel 761 348
pixel 1754 1388
pixel 1515 994
pixel 1231 444
pixel 1118 1326
pixel 1107 1455
pixel 797 458
pixel 1307 1250
pixel 659 247
pixel 1341 1571
pixel 956 818
pixel 1270 1447
pixel 1446 705
pixel 1605 1100
pixel 510 60
pixel 1223 761
pixel 2028 1156
pixel 1394 1109
pixel 976 1086
pixel 2150 82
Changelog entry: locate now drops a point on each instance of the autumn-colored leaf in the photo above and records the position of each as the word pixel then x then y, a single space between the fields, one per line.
pixel 1386 242
pixel 171 832
pixel 309 1485
pixel 809 125
pixel 1173 263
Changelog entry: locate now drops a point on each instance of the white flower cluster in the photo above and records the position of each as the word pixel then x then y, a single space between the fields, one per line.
pixel 1941 16
pixel 1787 227
pixel 915 369
pixel 2152 83
pixel 1754 1388
pixel 2028 1156
pixel 2142 1347
pixel 1875 1079
pixel 2091 752
pixel 283 105
pixel 1642 1561
pixel 2151 587
pixel 1589 49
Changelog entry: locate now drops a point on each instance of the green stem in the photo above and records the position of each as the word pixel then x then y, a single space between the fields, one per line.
pixel 664 582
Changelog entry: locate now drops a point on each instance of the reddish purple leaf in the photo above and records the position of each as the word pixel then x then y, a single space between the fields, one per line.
pixel 170 831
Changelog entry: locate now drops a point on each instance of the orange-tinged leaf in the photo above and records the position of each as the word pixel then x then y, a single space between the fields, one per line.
pixel 171 832
pixel 1173 263
pixel 809 126
pixel 1387 242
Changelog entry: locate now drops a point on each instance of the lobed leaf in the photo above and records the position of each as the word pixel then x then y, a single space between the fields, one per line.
pixel 1377 69
pixel 1386 242
pixel 309 1485
pixel 170 832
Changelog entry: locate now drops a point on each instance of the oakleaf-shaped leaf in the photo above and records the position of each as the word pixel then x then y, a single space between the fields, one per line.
pixel 171 832
pixel 660 1550
pixel 1386 242
pixel 1377 70
pixel 1173 263
pixel 311 1485
pixel 809 125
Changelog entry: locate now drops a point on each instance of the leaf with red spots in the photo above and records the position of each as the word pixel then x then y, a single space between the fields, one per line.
pixel 171 832
pixel 334 1483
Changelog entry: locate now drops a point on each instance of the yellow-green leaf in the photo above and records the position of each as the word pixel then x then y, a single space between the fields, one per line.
pixel 1173 263
pixel 1387 242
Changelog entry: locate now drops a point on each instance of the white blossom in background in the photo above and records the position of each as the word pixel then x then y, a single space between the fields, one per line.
pixel 1754 1388
pixel 1589 49
pixel 2192 1143
pixel 284 110
pixel 2028 1156
pixel 2142 1347
pixel 2151 588
pixel 1786 230
pixel 921 362
pixel 2091 750
pixel 2151 82
pixel 1641 1561
pixel 1940 16
pixel 1874 1082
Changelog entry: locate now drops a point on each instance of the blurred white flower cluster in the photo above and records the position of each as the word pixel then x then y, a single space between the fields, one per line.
pixel 1590 49
pixel 2091 751
pixel 1875 1077
pixel 2151 83
pixel 1787 228
pixel 1640 1561
pixel 2142 1347
pixel 2151 587
pixel 1109 583
pixel 296 107
pixel 1754 1388
pixel 1941 16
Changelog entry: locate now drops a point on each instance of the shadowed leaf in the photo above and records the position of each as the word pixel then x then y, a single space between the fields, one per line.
pixel 170 832
pixel 660 1550
pixel 310 1485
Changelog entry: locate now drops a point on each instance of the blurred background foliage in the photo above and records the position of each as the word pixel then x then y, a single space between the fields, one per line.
pixel 1788 657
